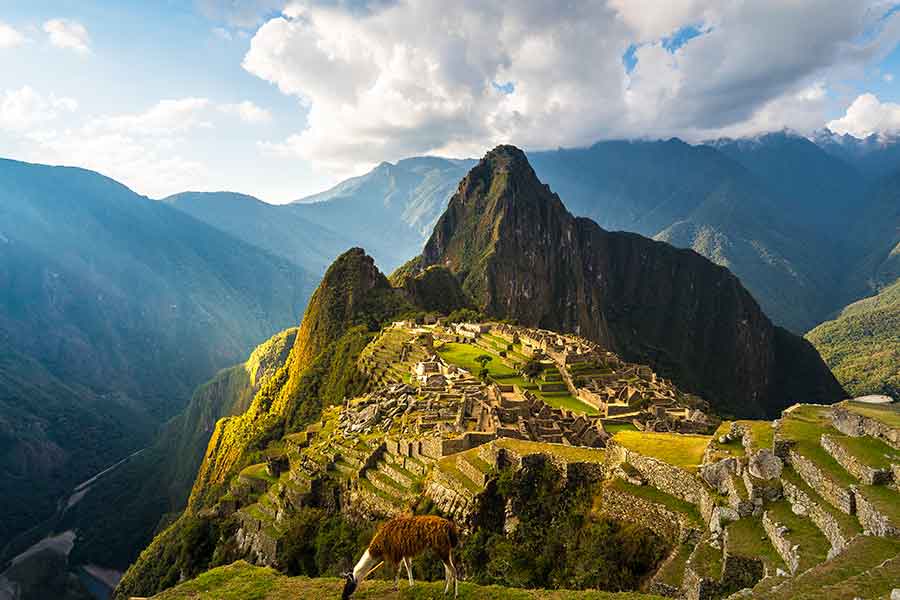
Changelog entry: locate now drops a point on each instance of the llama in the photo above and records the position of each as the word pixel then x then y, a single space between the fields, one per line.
pixel 401 539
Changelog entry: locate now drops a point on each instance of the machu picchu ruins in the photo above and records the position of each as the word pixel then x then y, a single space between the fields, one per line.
pixel 749 509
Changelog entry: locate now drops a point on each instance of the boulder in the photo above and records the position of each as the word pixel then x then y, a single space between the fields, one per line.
pixel 763 464
pixel 717 474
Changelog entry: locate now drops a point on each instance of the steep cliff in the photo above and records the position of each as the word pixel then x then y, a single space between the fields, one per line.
pixel 521 255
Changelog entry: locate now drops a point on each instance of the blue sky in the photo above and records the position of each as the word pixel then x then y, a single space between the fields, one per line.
pixel 282 99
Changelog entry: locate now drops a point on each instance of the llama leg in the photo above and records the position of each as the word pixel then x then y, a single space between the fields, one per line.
pixel 455 575
pixel 409 570
pixel 446 577
pixel 397 574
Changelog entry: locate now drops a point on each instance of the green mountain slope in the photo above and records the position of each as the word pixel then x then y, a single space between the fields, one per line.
pixel 120 305
pixel 862 345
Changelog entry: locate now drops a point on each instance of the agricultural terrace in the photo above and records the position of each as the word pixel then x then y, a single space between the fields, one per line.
pixel 889 414
pixel 465 355
pixel 679 450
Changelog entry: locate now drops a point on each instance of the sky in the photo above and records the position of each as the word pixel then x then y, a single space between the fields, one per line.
pixel 284 98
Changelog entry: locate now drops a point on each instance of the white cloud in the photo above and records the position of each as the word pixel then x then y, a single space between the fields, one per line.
pixel 222 34
pixel 148 151
pixel 65 33
pixel 888 77
pixel 25 108
pixel 419 76
pixel 247 111
pixel 868 115
pixel 165 118
pixel 10 37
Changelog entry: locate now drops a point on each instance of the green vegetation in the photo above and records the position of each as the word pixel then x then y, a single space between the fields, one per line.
pixel 566 453
pixel 848 524
pixel 613 428
pixel 813 544
pixel 851 574
pixel 242 581
pixel 885 499
pixel 746 537
pixel 762 433
pixel 804 425
pixel 672 573
pixel 650 493
pixel 558 542
pixel 889 414
pixel 684 451
pixel 870 451
pixel 706 561
pixel 466 356
pixel 861 345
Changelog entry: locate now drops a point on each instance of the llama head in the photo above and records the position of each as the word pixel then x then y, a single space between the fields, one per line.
pixel 349 586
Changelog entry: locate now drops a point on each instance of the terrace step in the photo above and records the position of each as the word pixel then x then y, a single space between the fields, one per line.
pixel 862 564
pixel 796 539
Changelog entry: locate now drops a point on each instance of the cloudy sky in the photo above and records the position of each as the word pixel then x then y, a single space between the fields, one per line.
pixel 281 98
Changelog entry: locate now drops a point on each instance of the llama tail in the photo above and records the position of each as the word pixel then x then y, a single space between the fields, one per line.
pixel 453 535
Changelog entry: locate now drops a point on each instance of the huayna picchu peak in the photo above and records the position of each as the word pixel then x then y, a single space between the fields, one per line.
pixel 519 254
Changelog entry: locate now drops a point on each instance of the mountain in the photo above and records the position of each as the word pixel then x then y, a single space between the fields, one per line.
pixel 862 345
pixel 113 307
pixel 519 254
pixel 389 210
pixel 280 230
pixel 877 230
pixel 813 189
pixel 874 156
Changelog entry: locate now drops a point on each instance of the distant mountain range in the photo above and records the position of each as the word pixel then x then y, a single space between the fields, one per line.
pixel 113 308
pixel 783 212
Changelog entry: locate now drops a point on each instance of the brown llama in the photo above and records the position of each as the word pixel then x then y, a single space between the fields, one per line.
pixel 399 541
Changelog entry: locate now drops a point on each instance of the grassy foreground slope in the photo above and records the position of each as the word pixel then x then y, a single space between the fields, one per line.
pixel 242 581
pixel 861 345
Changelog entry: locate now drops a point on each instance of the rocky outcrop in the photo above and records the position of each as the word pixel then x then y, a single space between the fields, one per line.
pixel 718 474
pixel 521 255
pixel 763 464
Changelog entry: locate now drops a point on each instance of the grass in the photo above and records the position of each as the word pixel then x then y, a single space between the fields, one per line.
pixel 242 581
pixel 886 500
pixel 848 524
pixel 805 425
pixel 889 414
pixel 651 494
pixel 870 451
pixel 746 537
pixel 732 448
pixel 566 453
pixel 464 355
pixel 683 451
pixel 672 573
pixel 814 546
pixel 706 561
pixel 762 433
pixel 613 428
pixel 830 579
pixel 258 472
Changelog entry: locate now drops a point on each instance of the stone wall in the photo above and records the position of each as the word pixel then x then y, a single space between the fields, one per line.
pixel 455 501
pixel 803 505
pixel 674 527
pixel 839 496
pixel 777 535
pixel 853 465
pixel 873 521
pixel 850 423
pixel 667 478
